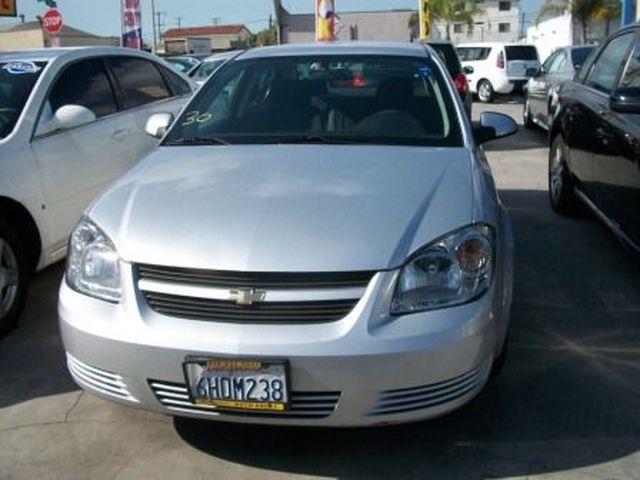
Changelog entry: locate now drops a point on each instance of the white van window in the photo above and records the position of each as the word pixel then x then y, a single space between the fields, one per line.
pixel 473 54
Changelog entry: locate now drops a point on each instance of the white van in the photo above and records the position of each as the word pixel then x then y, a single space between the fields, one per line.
pixel 498 67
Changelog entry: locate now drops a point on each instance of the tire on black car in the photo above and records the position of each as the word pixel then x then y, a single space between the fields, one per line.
pixel 14 276
pixel 561 185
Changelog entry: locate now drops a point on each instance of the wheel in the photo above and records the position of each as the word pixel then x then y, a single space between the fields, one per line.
pixel 561 186
pixel 485 91
pixel 14 276
pixel 526 116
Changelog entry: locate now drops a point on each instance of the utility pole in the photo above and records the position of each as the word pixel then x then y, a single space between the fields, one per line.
pixel 153 21
pixel 215 20
pixel 160 25
pixel 179 21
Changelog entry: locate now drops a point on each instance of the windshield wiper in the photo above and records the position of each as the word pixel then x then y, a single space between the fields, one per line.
pixel 197 141
pixel 330 140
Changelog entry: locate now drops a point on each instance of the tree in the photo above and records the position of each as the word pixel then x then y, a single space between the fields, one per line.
pixel 268 36
pixel 449 12
pixel 609 12
pixel 580 10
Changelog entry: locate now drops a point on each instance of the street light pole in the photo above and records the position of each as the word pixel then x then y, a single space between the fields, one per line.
pixel 154 49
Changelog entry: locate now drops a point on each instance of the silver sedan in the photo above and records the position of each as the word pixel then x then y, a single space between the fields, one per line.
pixel 317 241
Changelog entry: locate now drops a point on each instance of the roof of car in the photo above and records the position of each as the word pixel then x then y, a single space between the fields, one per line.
pixel 495 44
pixel 222 55
pixel 337 48
pixel 50 54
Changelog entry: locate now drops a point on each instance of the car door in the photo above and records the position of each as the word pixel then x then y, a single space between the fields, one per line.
pixel 617 162
pixel 538 86
pixel 590 132
pixel 606 147
pixel 75 164
pixel 144 88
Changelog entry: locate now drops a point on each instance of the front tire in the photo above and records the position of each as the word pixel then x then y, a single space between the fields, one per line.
pixel 561 185
pixel 14 276
pixel 485 91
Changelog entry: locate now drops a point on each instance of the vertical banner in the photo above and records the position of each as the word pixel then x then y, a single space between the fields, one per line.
pixel 325 20
pixel 425 20
pixel 8 8
pixel 131 24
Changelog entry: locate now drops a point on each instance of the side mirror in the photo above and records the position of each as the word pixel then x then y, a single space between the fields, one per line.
pixel 492 126
pixel 69 116
pixel 468 70
pixel 158 124
pixel 625 100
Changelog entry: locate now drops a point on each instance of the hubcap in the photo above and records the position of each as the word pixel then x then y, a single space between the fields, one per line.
pixel 555 174
pixel 484 91
pixel 9 277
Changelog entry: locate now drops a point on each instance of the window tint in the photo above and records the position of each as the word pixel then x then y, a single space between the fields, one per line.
pixel 580 55
pixel 84 83
pixel 344 99
pixel 472 54
pixel 140 80
pixel 605 71
pixel 447 53
pixel 521 52
pixel 176 84
pixel 631 77
pixel 17 80
pixel 558 63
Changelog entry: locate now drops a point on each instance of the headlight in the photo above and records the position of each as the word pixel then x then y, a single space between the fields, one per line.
pixel 452 270
pixel 92 264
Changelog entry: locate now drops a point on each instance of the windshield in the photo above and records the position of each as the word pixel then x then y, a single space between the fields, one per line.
pixel 342 99
pixel 521 52
pixel 579 55
pixel 206 69
pixel 17 80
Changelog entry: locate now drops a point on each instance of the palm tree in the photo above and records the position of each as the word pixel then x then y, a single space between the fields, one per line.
pixel 581 10
pixel 609 12
pixel 449 12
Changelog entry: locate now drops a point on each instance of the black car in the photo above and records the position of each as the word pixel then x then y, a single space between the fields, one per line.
pixel 449 55
pixel 542 88
pixel 595 137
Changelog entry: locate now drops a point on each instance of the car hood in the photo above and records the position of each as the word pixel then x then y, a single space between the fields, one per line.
pixel 281 208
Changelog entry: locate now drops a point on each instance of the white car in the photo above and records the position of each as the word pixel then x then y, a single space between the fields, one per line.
pixel 71 122
pixel 210 64
pixel 498 67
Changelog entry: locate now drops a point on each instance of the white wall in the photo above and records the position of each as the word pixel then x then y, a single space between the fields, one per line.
pixel 550 35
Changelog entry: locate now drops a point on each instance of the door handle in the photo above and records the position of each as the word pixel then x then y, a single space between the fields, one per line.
pixel 120 134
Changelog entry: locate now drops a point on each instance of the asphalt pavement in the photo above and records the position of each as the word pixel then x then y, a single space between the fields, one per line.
pixel 566 405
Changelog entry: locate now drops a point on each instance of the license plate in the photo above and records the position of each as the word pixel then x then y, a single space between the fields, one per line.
pixel 238 384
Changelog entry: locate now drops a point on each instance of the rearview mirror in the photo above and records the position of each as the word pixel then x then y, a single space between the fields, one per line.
pixel 468 70
pixel 69 116
pixel 493 125
pixel 625 100
pixel 158 124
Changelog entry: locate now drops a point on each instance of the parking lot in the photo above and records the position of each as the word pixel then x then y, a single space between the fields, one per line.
pixel 565 406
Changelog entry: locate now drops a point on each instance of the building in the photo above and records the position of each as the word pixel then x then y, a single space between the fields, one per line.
pixel 31 35
pixel 563 30
pixel 222 37
pixel 386 25
pixel 499 21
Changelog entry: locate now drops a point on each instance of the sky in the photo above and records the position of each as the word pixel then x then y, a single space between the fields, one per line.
pixel 102 17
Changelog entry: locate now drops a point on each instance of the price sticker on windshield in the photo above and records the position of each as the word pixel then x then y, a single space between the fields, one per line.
pixel 20 68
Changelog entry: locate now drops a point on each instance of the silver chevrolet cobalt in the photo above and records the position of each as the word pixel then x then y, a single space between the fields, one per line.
pixel 317 241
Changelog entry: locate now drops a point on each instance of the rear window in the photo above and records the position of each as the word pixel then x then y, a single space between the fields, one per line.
pixel 579 55
pixel 521 52
pixel 448 55
pixel 471 54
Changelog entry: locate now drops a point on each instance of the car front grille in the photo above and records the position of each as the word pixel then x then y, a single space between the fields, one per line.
pixel 303 405
pixel 225 311
pixel 273 280
pixel 249 297
pixel 101 381
pixel 428 396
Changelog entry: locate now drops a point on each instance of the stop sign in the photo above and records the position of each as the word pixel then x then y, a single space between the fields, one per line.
pixel 52 22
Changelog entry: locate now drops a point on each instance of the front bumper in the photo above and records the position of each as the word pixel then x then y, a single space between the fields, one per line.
pixel 366 369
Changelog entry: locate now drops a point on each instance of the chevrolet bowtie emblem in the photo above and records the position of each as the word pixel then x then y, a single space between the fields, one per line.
pixel 247 296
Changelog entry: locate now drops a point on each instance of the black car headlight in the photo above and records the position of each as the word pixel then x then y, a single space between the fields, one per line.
pixel 454 269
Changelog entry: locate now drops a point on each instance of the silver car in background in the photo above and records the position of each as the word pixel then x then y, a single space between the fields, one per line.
pixel 209 65
pixel 317 241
